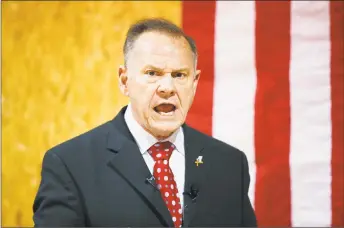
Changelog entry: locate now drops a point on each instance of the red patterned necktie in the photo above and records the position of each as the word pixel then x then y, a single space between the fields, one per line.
pixel 164 178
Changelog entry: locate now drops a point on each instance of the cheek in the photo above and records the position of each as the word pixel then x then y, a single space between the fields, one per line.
pixel 146 97
pixel 186 96
pixel 140 91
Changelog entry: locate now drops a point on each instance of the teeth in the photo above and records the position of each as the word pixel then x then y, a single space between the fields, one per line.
pixel 166 113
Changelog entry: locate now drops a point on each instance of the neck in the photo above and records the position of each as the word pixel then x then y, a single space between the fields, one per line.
pixel 160 138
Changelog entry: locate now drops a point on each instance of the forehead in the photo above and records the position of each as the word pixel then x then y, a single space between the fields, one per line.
pixel 162 50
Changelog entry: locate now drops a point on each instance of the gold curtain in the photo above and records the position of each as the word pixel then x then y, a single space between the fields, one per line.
pixel 59 79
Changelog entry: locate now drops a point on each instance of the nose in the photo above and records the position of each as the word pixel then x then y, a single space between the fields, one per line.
pixel 166 86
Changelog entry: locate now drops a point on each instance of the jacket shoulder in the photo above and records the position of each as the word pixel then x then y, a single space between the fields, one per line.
pixel 82 142
pixel 211 142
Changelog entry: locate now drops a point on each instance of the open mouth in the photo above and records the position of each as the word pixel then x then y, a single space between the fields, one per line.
pixel 165 109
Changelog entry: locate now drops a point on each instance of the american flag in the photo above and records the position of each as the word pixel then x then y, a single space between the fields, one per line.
pixel 272 85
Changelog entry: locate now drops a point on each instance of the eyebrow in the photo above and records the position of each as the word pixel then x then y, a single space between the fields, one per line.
pixel 160 69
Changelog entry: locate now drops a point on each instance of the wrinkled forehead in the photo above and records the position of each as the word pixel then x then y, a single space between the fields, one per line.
pixel 161 50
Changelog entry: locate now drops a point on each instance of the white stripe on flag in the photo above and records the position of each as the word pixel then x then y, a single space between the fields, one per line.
pixel 310 157
pixel 235 79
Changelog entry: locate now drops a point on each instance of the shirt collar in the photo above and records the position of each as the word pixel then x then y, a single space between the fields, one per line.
pixel 145 140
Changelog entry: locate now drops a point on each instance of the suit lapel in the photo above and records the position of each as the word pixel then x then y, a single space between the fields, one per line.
pixel 193 173
pixel 129 163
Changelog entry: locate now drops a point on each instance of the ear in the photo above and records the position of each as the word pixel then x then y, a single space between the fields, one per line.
pixel 196 79
pixel 123 80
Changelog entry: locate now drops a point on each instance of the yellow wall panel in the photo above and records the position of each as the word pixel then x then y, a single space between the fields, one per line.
pixel 59 79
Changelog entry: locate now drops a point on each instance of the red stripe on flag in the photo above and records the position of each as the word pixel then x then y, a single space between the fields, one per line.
pixel 272 114
pixel 194 12
pixel 337 111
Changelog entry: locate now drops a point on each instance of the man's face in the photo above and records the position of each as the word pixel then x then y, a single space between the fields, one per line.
pixel 160 81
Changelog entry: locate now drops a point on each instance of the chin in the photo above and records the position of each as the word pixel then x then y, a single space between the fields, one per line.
pixel 165 128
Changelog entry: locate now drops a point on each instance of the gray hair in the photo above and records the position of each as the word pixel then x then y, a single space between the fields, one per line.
pixel 158 25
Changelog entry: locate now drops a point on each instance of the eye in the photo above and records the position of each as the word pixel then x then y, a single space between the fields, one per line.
pixel 151 72
pixel 179 75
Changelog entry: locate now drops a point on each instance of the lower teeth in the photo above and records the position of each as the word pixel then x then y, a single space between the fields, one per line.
pixel 165 113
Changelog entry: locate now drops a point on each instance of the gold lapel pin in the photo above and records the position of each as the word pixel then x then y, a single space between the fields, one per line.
pixel 199 160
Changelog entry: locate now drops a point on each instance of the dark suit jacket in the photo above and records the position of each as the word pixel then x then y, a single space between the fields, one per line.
pixel 99 179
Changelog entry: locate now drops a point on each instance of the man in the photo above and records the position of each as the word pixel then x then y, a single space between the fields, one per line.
pixel 146 167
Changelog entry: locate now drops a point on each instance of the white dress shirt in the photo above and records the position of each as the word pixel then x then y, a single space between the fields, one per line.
pixel 144 140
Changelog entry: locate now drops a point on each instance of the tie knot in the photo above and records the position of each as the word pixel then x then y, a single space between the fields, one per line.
pixel 161 150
